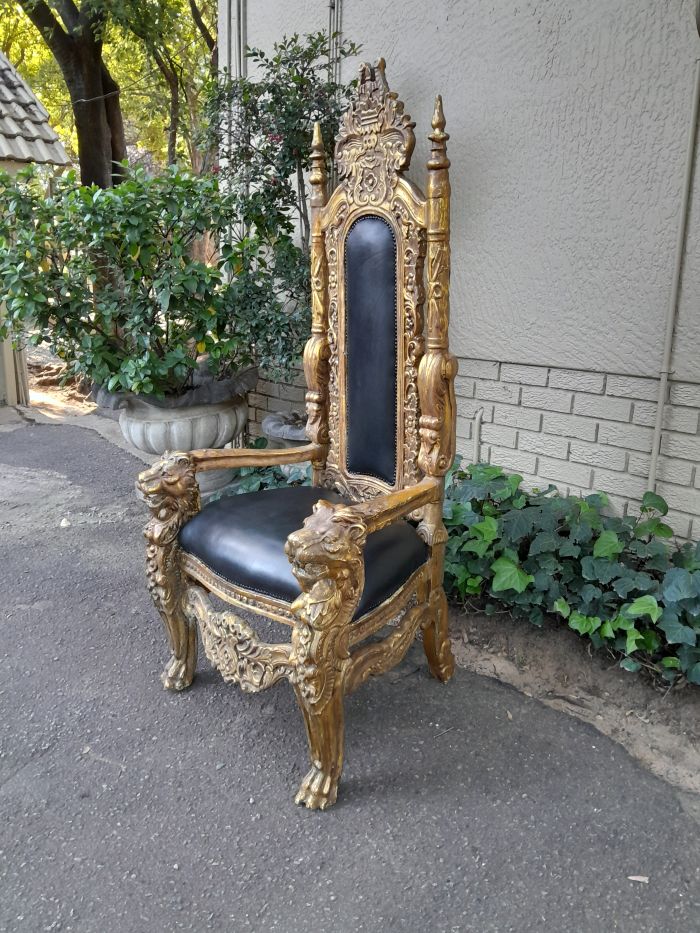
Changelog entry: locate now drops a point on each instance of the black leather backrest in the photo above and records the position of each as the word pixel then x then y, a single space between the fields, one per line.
pixel 370 348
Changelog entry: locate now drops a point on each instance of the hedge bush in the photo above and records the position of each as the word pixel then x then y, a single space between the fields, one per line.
pixel 617 581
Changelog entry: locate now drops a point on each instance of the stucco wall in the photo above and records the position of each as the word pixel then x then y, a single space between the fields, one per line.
pixel 569 125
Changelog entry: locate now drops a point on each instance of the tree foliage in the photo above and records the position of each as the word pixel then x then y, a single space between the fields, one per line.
pixel 153 58
pixel 106 277
pixel 262 127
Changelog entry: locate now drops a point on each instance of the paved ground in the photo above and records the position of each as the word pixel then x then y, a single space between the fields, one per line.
pixel 122 808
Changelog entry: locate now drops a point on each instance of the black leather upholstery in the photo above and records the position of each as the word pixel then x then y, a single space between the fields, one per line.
pixel 242 539
pixel 370 346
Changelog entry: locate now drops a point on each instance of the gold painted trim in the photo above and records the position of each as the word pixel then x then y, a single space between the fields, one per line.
pixel 275 609
pixel 280 611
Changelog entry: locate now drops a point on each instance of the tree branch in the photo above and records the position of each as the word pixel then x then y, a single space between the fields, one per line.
pixel 202 26
pixel 70 15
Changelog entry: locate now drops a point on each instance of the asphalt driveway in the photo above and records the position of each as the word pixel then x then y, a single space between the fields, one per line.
pixel 466 807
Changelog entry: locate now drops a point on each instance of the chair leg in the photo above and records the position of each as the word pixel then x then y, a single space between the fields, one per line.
pixel 436 638
pixel 325 732
pixel 167 591
pixel 179 671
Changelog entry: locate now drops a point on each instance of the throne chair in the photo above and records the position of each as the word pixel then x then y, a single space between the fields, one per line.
pixel 360 550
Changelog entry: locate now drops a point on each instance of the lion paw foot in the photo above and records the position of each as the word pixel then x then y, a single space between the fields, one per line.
pixel 442 664
pixel 176 676
pixel 318 790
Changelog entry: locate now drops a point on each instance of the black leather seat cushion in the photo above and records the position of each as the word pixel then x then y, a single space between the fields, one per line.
pixel 242 539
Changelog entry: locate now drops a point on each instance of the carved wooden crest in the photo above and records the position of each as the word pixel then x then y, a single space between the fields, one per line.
pixel 375 141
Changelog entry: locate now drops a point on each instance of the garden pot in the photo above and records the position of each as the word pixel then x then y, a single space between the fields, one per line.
pixel 198 418
pixel 285 429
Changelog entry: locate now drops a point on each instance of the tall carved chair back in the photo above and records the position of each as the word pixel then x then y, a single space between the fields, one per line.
pixel 380 376
pixel 363 547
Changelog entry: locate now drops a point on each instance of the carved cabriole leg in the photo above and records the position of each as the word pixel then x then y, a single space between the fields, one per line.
pixel 326 558
pixel 325 732
pixel 170 490
pixel 436 637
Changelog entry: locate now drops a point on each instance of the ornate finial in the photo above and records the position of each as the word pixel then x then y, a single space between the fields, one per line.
pixel 317 142
pixel 375 140
pixel 317 177
pixel 438 137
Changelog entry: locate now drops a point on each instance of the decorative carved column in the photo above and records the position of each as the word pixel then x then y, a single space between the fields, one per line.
pixel 327 559
pixel 438 367
pixel 317 351
pixel 436 376
pixel 170 490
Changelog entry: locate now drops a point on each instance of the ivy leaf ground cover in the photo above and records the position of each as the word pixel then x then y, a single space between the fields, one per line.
pixel 616 581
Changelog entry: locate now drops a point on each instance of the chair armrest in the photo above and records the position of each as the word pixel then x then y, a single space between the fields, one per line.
pixel 236 457
pixel 328 562
pixel 330 545
pixel 385 509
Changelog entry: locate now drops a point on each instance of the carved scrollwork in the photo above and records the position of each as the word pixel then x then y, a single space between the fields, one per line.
pixel 437 423
pixel 379 657
pixel 413 237
pixel 326 558
pixel 375 141
pixel 233 648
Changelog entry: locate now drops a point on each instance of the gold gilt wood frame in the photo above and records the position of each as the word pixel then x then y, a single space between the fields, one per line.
pixel 328 654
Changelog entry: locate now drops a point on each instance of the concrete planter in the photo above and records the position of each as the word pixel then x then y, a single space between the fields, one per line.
pixel 285 429
pixel 199 418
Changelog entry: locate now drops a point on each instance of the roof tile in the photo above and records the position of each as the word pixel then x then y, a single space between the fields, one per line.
pixel 25 133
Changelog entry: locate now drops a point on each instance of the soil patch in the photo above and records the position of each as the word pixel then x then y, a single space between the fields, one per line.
pixel 660 728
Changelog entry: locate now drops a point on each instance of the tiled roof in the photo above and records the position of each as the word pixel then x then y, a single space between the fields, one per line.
pixel 25 134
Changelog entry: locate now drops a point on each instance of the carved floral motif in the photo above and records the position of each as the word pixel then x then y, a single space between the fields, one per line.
pixel 233 648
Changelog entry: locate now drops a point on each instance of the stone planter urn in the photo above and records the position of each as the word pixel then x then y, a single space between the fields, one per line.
pixel 285 429
pixel 211 414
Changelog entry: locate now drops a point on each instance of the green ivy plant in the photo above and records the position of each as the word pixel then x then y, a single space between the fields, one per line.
pixel 613 580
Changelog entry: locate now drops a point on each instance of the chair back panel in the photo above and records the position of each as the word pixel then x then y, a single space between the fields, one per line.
pixel 370 361
pixel 374 229
pixel 380 399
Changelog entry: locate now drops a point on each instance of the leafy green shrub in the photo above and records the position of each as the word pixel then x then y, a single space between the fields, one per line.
pixel 262 126
pixel 112 281
pixel 614 580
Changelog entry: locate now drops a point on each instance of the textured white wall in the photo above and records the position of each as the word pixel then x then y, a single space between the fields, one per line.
pixel 569 125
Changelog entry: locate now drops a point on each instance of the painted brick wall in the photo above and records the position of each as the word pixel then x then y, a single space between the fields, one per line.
pixel 581 431
pixel 584 431
pixel 274 396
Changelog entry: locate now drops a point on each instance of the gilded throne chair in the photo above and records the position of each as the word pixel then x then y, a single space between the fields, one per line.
pixel 360 550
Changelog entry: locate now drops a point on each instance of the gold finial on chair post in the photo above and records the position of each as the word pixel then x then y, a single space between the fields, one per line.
pixel 438 367
pixel 438 137
pixel 317 177
pixel 316 351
